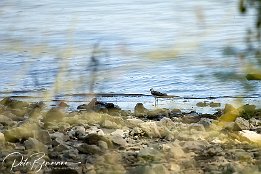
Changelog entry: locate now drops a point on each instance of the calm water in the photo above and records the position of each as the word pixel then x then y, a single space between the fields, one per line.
pixel 173 46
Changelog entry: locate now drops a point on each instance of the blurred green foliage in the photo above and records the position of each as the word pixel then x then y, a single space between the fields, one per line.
pixel 249 57
pixel 253 38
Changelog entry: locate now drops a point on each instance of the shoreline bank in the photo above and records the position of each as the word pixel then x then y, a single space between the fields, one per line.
pixel 119 141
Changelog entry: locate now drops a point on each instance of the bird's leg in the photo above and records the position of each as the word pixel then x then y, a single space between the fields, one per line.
pixel 156 101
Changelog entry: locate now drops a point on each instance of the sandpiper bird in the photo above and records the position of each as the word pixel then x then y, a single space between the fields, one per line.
pixel 157 94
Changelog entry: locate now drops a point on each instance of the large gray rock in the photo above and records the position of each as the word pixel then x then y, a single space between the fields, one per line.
pixel 117 139
pixel 238 125
pixel 120 132
pixel 255 122
pixel 241 124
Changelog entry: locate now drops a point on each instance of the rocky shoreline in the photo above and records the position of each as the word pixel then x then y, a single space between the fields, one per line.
pixel 102 138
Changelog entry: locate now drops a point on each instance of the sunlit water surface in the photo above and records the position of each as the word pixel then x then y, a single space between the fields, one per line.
pixel 174 46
